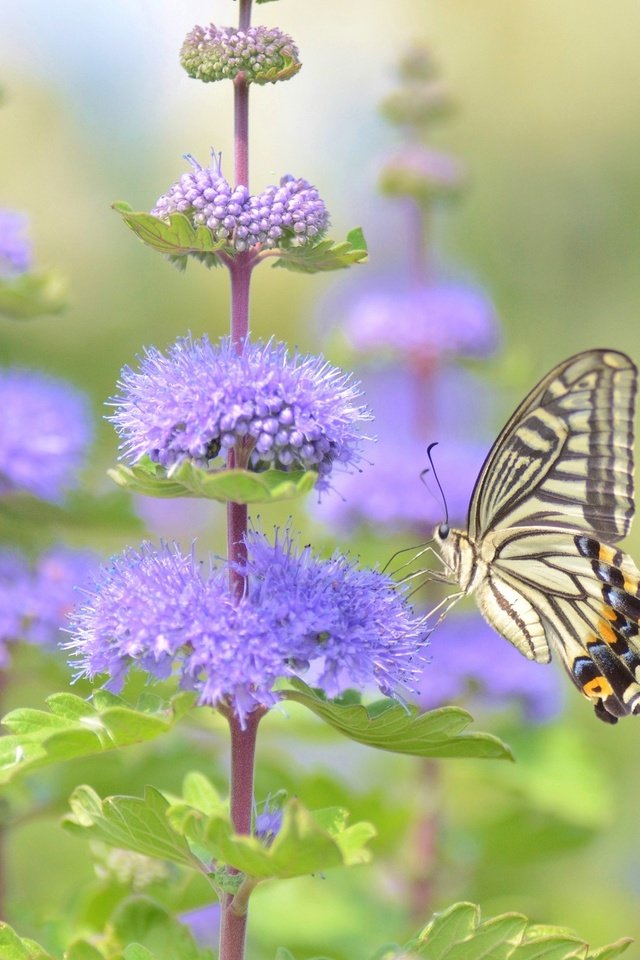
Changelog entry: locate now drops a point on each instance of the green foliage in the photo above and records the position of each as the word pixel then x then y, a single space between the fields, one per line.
pixel 28 521
pixel 13 947
pixel 76 728
pixel 131 823
pixel 387 725
pixel 33 295
pixel 324 255
pixel 195 833
pixel 175 237
pixel 238 486
pixel 459 934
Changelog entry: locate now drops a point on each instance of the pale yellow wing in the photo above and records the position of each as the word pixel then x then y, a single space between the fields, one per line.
pixel 565 593
pixel 565 458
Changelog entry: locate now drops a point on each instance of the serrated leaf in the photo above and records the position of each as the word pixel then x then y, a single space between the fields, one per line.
pixel 33 295
pixel 237 486
pixel 75 728
pixel 324 255
pixel 307 842
pixel 131 823
pixel 175 237
pixel 459 934
pixel 437 733
pixel 13 947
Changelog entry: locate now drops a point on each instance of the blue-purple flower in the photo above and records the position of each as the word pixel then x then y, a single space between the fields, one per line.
pixel 36 597
pixel 44 434
pixel 199 400
pixel 262 54
pixel 15 246
pixel 156 608
pixel 424 323
pixel 291 213
pixel 468 660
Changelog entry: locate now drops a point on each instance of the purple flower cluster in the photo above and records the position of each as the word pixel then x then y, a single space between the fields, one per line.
pixel 199 400
pixel 36 598
pixel 291 213
pixel 153 608
pixel 424 323
pixel 15 247
pixel 44 434
pixel 262 54
pixel 469 659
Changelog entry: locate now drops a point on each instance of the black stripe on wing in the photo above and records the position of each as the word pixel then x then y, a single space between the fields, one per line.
pixel 565 458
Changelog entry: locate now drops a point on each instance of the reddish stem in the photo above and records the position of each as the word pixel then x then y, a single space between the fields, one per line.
pixel 241 109
pixel 243 748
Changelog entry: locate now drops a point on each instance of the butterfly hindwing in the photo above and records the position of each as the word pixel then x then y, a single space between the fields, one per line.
pixel 566 455
pixel 568 593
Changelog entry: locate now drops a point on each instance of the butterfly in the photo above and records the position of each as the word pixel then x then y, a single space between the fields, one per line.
pixel 553 498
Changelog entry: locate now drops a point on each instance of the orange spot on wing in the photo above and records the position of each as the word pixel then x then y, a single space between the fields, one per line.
pixel 606 553
pixel 607 634
pixel 598 687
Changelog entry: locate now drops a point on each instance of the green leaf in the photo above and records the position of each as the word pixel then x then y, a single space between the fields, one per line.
pixel 324 255
pixel 307 842
pixel 237 486
pixel 459 934
pixel 76 728
pixel 130 823
pixel 33 295
pixel 83 950
pixel 13 947
pixel 175 237
pixel 152 933
pixel 438 733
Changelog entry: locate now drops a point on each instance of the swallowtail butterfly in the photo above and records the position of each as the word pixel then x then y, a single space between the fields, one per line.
pixel 553 498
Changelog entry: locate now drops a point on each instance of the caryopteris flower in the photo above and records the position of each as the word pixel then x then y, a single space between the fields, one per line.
pixel 277 410
pixel 15 247
pixel 262 54
pixel 285 215
pixel 353 626
pixel 425 323
pixel 155 608
pixel 44 434
pixel 35 598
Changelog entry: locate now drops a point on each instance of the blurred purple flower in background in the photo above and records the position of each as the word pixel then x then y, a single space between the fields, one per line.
pixel 200 399
pixel 411 410
pixel 204 924
pixel 156 607
pixel 44 434
pixel 470 662
pixel 15 246
pixel 35 598
pixel 423 324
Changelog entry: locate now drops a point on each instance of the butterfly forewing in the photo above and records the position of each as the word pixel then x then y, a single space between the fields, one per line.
pixel 566 455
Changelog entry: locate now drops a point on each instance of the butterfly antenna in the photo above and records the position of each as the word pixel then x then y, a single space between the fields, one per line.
pixel 435 473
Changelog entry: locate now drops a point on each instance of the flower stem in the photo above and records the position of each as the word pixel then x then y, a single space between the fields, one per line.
pixel 243 748
pixel 241 109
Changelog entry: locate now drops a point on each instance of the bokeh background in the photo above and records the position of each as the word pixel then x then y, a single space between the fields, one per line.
pixel 96 109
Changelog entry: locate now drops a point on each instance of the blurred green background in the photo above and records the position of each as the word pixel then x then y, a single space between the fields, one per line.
pixel 96 108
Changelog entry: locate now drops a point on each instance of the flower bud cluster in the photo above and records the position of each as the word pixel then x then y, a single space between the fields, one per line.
pixel 262 54
pixel 15 248
pixel 200 400
pixel 291 213
pixel 422 173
